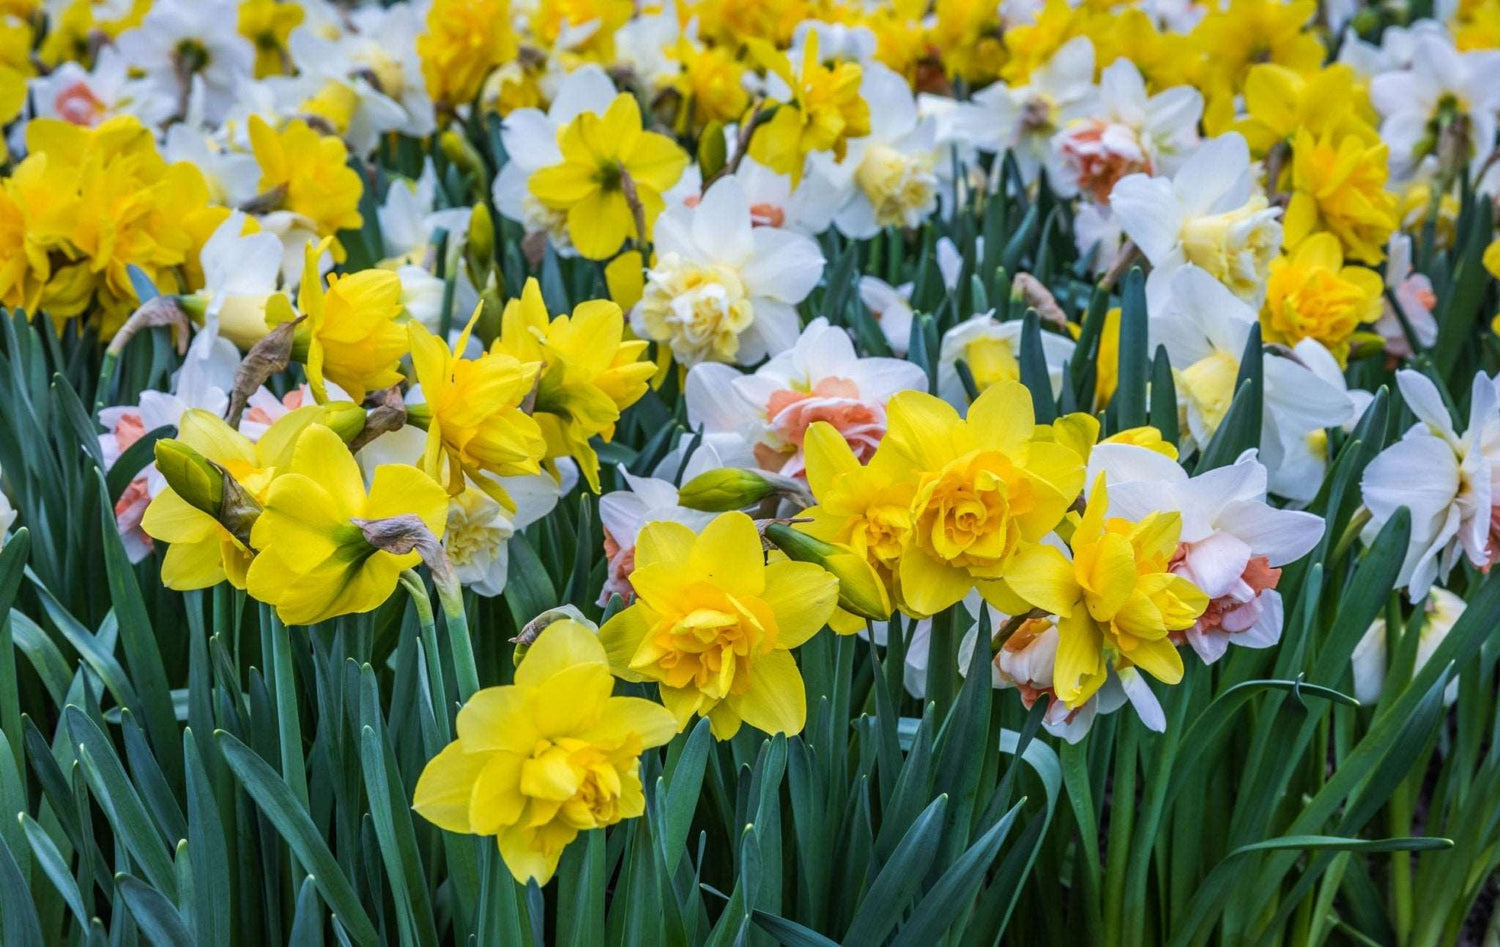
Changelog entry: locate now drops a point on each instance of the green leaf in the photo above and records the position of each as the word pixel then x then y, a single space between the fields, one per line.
pixel 1129 399
pixel 158 918
pixel 55 868
pixel 900 878
pixel 953 893
pixel 275 799
pixel 790 933
pixel 18 920
pixel 141 653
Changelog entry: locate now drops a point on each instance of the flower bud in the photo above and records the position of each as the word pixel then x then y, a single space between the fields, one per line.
pixel 861 590
pixel 190 475
pixel 734 488
pixel 480 246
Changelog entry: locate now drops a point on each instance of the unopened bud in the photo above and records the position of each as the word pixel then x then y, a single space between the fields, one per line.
pixel 734 488
pixel 480 247
pixel 460 151
pixel 861 590
pixel 190 475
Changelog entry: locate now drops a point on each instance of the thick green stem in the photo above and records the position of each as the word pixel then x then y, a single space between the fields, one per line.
pixel 451 595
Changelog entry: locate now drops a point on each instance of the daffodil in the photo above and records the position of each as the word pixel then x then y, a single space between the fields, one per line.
pixel 612 172
pixel 351 336
pixel 1311 294
pixel 268 24
pixel 591 371
pixel 1242 33
pixel 1282 101
pixel 1338 185
pixel 313 561
pixel 714 625
pixel 309 173
pixel 538 761
pixel 465 40
pixel 1116 602
pixel 472 411
pixel 822 110
pixel 983 490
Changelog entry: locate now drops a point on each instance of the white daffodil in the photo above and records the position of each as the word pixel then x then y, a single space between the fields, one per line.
pixel 240 273
pixel 85 97
pixel 1129 133
pixel 821 378
pixel 836 42
pixel 1415 300
pixel 1204 328
pixel 343 91
pixel 1233 543
pixel 1024 118
pixel 1370 661
pixel 894 176
pixel 530 139
pixel 188 46
pixel 1210 214
pixel 622 513
pixel 1446 479
pixel 891 308
pixel 1304 454
pixel 774 202
pixel 992 351
pixel 1440 88
pixel 722 289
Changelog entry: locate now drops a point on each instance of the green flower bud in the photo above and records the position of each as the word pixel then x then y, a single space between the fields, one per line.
pixel 861 590
pixel 734 488
pixel 191 475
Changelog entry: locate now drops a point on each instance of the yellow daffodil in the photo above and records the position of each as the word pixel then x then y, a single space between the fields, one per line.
pixel 611 169
pixel 351 336
pixel 96 201
pixel 825 110
pixel 984 489
pixel 1029 46
pixel 1115 601
pixel 592 371
pixel 1280 101
pixel 312 560
pixel 714 625
pixel 594 20
pixel 268 24
pixel 545 758
pixel 1311 294
pixel 1338 185
pixel 1235 37
pixel 866 508
pixel 711 85
pixel 464 41
pixel 309 175
pixel 966 34
pixel 472 411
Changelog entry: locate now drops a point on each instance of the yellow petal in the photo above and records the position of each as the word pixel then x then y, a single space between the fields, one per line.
pixel 561 645
pixel 728 553
pixel 803 596
pixel 776 700
pixel 446 785
pixel 1043 576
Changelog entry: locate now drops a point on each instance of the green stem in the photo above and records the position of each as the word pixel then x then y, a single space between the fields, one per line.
pixel 436 683
pixel 456 620
pixel 1121 822
pixel 288 718
pixel 106 377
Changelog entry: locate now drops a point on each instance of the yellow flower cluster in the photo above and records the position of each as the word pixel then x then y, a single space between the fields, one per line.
pixel 949 504
pixel 85 205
